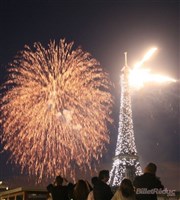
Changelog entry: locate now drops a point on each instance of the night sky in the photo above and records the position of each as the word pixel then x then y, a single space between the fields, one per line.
pixel 107 29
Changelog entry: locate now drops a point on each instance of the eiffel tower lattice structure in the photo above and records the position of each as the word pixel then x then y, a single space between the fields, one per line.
pixel 126 160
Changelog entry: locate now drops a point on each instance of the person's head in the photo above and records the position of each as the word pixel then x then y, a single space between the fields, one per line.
pixel 94 180
pixel 59 180
pixel 126 188
pixel 81 190
pixel 150 168
pixel 104 175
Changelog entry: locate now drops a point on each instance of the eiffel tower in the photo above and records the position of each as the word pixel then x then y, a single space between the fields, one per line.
pixel 126 161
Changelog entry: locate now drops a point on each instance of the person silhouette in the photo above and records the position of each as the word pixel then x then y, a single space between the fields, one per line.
pixel 57 190
pixel 81 190
pixel 147 185
pixel 125 191
pixel 94 180
pixel 101 190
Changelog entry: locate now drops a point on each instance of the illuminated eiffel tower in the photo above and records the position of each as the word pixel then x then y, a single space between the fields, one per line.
pixel 126 161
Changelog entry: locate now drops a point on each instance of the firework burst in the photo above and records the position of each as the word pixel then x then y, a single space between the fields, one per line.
pixel 54 110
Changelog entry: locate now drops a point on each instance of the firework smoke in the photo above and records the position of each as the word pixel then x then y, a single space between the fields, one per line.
pixel 54 110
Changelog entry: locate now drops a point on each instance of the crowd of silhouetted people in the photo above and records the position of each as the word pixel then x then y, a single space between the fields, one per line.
pixel 143 187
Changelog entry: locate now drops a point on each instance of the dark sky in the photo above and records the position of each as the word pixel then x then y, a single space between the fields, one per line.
pixel 107 29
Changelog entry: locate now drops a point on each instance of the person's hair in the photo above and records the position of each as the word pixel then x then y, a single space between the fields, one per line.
pixel 103 174
pixel 151 168
pixel 126 188
pixel 81 190
pixel 94 180
pixel 59 180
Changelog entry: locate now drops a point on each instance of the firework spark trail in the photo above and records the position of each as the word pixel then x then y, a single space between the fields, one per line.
pixel 55 109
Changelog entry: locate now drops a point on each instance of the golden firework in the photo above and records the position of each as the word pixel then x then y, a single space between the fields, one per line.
pixel 55 110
